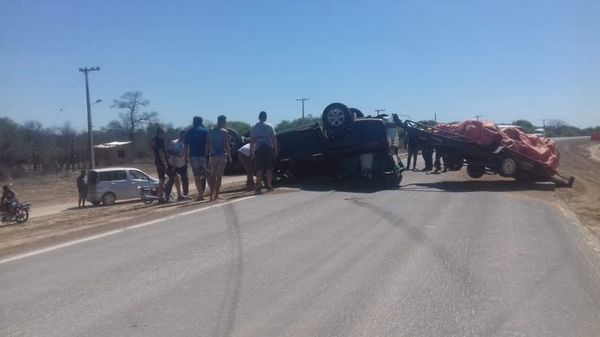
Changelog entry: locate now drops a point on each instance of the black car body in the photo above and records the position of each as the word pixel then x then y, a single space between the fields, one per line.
pixel 359 148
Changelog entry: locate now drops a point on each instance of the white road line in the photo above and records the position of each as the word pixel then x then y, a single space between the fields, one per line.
pixel 116 231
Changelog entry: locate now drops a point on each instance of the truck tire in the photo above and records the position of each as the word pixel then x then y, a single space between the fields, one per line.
pixel 508 167
pixel 235 140
pixel 475 171
pixel 455 162
pixel 356 113
pixel 337 117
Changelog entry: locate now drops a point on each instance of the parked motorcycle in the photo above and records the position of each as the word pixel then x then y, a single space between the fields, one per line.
pixel 150 194
pixel 19 214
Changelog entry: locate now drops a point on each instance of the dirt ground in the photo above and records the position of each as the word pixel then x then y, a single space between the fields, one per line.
pixel 55 217
pixel 594 150
pixel 74 222
pixel 581 159
pixel 55 189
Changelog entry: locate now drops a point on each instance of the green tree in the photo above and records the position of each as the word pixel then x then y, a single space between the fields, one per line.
pixel 525 125
pixel 240 127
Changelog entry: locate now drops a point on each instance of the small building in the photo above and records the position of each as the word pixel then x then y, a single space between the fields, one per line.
pixel 113 153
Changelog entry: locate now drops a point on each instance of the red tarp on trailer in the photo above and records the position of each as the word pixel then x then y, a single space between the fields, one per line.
pixel 486 133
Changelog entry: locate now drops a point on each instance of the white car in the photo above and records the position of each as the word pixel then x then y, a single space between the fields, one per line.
pixel 108 185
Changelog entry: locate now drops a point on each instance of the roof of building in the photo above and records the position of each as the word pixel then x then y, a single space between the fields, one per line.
pixel 110 145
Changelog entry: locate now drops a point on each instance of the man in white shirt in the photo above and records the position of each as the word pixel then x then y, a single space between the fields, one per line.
pixel 245 158
pixel 177 167
pixel 264 150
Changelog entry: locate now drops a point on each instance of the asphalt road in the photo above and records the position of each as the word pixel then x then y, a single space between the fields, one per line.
pixel 428 260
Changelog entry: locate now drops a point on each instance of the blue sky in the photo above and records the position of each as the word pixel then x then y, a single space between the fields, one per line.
pixel 504 60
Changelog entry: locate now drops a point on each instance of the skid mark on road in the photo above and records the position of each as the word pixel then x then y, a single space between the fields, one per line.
pixel 233 283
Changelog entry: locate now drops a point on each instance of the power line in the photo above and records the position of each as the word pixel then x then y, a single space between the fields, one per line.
pixel 302 100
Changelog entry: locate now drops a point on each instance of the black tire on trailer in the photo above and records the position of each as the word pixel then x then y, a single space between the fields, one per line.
pixel 475 171
pixel 337 117
pixel 455 162
pixel 508 167
pixel 356 113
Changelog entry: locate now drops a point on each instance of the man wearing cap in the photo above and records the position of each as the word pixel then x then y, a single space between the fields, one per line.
pixel 264 149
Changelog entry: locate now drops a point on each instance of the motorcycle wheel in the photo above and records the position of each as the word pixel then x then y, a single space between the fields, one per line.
pixel 22 215
pixel 145 199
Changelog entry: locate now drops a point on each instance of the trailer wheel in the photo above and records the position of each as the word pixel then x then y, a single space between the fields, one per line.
pixel 455 162
pixel 337 117
pixel 475 171
pixel 508 167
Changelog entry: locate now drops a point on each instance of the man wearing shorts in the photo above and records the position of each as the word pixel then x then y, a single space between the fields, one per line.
pixel 160 160
pixel 264 149
pixel 219 152
pixel 195 154
pixel 245 158
pixel 177 167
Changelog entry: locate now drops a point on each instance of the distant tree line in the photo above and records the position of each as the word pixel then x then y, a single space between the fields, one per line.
pixel 30 146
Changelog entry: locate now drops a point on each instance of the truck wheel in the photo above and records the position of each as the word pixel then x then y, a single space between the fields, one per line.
pixel 108 199
pixel 337 117
pixel 356 113
pixel 475 171
pixel 508 166
pixel 234 140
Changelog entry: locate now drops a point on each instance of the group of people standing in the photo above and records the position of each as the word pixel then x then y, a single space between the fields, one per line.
pixel 413 145
pixel 208 152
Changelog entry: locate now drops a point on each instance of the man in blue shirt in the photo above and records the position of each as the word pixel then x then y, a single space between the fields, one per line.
pixel 195 154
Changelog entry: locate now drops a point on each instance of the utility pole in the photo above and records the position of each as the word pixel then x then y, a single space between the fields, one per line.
pixel 478 116
pixel 89 114
pixel 302 100
pixel 379 110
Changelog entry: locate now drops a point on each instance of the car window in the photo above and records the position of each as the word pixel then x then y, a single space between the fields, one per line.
pixel 112 175
pixel 137 175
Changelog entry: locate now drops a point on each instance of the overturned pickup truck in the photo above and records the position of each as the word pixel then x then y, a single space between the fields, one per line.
pixel 347 145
